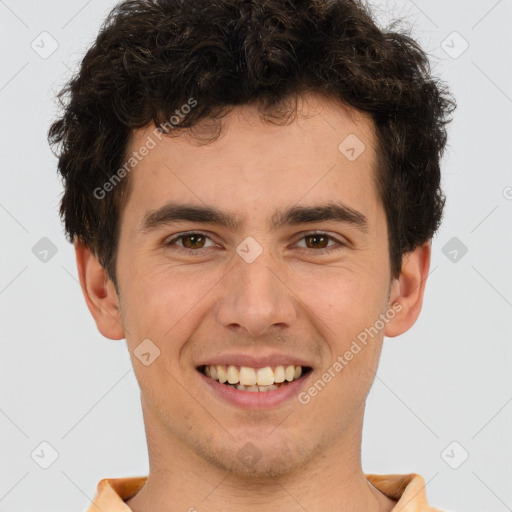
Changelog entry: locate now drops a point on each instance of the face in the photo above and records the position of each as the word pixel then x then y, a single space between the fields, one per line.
pixel 264 250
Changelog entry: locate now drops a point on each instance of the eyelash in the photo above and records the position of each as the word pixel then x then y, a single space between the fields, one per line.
pixel 324 250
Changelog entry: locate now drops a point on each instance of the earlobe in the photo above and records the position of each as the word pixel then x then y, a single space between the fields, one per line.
pixel 99 292
pixel 408 289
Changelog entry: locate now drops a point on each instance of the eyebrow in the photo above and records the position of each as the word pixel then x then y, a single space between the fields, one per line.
pixel 177 212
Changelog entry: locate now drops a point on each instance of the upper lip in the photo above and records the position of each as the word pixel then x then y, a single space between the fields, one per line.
pixel 255 361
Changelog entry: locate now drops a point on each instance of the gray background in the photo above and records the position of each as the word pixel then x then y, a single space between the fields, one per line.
pixel 444 389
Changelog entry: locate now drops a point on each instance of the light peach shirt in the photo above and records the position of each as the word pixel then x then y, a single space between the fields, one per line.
pixel 408 489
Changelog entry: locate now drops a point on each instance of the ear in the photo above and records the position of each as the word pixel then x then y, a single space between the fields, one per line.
pixel 99 292
pixel 407 290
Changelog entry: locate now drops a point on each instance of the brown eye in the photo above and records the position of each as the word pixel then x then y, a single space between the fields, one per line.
pixel 322 242
pixel 316 241
pixel 193 241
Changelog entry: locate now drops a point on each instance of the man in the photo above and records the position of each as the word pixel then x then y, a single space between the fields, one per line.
pixel 252 188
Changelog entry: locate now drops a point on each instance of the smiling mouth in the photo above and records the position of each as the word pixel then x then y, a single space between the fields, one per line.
pixel 245 378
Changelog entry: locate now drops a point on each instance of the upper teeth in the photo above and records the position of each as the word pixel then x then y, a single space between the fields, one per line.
pixel 247 376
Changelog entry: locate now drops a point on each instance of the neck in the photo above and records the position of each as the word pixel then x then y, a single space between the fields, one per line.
pixel 182 480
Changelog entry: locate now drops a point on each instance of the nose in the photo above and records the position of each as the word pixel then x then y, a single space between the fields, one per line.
pixel 256 298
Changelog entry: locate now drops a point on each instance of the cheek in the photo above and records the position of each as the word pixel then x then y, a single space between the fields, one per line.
pixel 162 301
pixel 345 309
pixel 345 301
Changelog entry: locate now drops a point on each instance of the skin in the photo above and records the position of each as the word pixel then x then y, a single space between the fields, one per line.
pixel 294 299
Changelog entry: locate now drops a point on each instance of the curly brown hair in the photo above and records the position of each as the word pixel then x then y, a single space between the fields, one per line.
pixel 150 57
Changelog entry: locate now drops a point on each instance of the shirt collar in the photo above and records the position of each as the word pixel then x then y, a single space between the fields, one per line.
pixel 408 489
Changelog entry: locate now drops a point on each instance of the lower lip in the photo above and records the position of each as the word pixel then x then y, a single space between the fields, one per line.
pixel 256 399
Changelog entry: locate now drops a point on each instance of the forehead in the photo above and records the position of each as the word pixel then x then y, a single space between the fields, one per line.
pixel 327 152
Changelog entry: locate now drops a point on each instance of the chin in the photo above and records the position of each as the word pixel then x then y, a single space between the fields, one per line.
pixel 259 460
